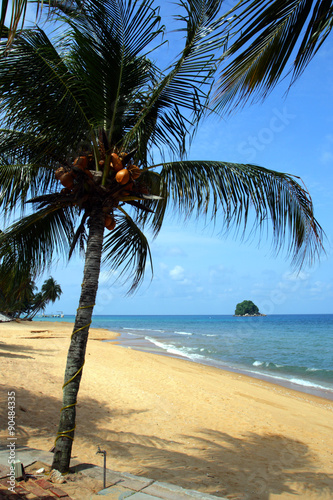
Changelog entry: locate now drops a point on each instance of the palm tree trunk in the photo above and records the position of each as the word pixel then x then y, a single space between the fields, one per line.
pixel 77 349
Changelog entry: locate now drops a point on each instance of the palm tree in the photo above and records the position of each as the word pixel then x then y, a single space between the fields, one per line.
pixel 18 295
pixel 90 111
pixel 266 37
pixel 17 292
pixel 50 292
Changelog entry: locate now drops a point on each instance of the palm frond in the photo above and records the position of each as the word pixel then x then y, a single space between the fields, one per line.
pixel 127 249
pixel 20 181
pixel 109 41
pixel 244 195
pixel 51 97
pixel 267 36
pixel 37 238
pixel 19 8
pixel 175 104
pixel 79 236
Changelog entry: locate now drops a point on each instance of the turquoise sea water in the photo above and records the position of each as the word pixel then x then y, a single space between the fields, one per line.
pixel 293 350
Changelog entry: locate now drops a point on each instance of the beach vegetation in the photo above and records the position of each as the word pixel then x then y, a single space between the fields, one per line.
pixel 19 296
pixel 95 139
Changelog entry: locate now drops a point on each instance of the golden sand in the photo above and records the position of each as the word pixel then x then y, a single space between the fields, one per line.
pixel 170 419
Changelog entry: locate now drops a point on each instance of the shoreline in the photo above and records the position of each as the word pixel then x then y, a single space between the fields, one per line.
pixel 169 419
pixel 142 344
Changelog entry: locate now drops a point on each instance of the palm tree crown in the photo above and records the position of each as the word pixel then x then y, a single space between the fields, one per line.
pixel 74 106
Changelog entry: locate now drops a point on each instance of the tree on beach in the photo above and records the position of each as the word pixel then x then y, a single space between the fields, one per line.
pixel 19 297
pixel 84 117
pixel 50 292
pixel 16 293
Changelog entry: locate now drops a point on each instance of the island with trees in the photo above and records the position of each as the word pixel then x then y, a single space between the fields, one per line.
pixel 247 308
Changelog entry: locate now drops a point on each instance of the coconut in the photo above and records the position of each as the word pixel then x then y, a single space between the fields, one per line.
pixel 110 223
pixel 116 162
pixel 123 176
pixel 81 162
pixel 66 180
pixel 59 172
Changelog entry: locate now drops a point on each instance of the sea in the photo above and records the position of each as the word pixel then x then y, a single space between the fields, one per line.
pixel 295 351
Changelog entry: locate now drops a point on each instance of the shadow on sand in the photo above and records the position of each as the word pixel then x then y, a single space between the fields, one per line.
pixel 250 467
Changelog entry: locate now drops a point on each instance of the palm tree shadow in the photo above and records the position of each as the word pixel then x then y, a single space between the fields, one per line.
pixel 249 468
pixel 15 351
pixel 37 415
pixel 271 463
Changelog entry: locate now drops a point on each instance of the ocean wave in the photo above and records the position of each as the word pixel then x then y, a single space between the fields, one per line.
pixel 294 369
pixel 292 380
pixel 266 364
pixel 185 352
pixel 184 333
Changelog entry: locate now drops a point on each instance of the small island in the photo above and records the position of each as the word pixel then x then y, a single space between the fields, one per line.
pixel 247 308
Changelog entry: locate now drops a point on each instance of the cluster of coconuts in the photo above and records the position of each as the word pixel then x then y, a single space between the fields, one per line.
pixel 67 177
pixel 124 176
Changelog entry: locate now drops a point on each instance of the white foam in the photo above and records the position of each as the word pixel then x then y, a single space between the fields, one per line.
pixel 184 333
pixel 298 381
pixel 306 383
pixel 171 349
pixel 166 347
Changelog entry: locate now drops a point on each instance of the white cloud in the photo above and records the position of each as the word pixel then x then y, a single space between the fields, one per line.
pixel 320 287
pixel 177 273
pixel 296 276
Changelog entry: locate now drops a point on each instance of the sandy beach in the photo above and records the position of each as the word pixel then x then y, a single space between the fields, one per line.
pixel 170 419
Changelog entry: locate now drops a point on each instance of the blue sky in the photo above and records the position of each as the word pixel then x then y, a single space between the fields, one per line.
pixel 199 271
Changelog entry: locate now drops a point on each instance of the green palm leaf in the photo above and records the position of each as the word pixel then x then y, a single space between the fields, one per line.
pixel 268 36
pixel 126 248
pixel 19 8
pixel 54 108
pixel 38 238
pixel 110 40
pixel 19 180
pixel 244 195
pixel 185 85
pixel 51 290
